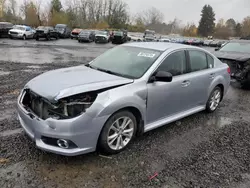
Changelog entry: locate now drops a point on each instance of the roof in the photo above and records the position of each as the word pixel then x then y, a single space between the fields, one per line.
pixel 161 46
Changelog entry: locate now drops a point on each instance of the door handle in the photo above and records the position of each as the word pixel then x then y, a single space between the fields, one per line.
pixel 185 83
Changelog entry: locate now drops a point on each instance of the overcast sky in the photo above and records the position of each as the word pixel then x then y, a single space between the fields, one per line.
pixel 190 10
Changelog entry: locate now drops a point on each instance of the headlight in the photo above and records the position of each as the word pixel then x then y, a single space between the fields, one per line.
pixel 71 107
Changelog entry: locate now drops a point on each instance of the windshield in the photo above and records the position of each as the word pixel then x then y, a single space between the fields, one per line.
pixel 236 47
pixel 118 33
pixel 102 32
pixel 19 28
pixel 130 62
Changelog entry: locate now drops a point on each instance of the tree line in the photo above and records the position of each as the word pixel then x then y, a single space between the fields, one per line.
pixel 102 14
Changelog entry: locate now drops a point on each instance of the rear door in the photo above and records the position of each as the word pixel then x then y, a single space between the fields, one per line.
pixel 201 69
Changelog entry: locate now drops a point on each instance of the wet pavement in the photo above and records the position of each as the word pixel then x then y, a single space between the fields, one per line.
pixel 203 150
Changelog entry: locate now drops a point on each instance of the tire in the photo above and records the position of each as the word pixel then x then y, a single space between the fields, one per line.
pixel 113 148
pixel 37 38
pixel 215 98
pixel 24 37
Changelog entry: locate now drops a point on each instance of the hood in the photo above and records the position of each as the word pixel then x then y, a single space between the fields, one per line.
pixel 238 56
pixel 17 30
pixel 100 35
pixel 61 83
pixel 76 30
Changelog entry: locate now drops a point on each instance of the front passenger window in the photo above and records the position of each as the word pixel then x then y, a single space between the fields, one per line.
pixel 175 63
pixel 198 60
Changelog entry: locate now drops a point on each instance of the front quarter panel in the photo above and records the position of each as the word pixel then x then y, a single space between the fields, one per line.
pixel 131 95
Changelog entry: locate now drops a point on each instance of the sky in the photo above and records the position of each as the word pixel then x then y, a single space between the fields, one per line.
pixel 190 10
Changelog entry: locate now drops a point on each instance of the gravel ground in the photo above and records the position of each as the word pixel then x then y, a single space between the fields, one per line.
pixel 203 150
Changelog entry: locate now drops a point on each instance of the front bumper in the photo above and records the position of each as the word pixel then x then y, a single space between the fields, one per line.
pixel 16 35
pixel 74 36
pixel 83 131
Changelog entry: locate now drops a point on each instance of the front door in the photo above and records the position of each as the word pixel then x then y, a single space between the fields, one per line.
pixel 167 99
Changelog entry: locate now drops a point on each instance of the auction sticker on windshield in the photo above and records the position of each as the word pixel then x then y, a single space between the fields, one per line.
pixel 142 54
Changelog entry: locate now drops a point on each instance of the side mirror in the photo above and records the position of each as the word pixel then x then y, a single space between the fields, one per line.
pixel 216 49
pixel 162 76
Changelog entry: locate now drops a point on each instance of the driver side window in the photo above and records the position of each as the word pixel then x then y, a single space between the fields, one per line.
pixel 175 64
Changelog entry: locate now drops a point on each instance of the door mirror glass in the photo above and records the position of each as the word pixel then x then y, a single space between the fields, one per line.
pixel 163 76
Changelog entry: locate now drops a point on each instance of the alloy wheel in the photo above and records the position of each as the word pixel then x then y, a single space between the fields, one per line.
pixel 120 133
pixel 215 99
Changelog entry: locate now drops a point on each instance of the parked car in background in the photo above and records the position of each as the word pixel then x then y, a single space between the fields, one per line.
pixel 164 40
pixel 4 29
pixel 197 42
pixel 245 38
pixel 22 32
pixel 120 37
pixel 207 42
pixel 46 32
pixel 149 36
pixel 75 32
pixel 135 38
pixel 127 91
pixel 63 30
pixel 86 36
pixel 214 43
pixel 236 54
pixel 102 36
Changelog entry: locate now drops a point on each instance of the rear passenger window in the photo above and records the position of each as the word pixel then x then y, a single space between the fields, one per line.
pixel 198 60
pixel 210 61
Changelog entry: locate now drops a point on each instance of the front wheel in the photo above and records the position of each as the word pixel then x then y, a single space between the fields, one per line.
pixel 214 99
pixel 24 37
pixel 118 132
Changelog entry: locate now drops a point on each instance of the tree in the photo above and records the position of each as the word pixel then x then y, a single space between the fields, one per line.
pixel 246 27
pixel 190 30
pixel 56 5
pixel 221 30
pixel 206 24
pixel 231 25
pixel 31 17
pixel 238 30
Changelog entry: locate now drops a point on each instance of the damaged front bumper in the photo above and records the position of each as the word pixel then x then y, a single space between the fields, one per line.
pixel 81 133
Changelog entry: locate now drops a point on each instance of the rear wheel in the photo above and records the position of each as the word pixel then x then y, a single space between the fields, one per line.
pixel 214 99
pixel 37 38
pixel 118 132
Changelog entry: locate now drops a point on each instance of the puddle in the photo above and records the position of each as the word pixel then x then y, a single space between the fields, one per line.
pixel 2 73
pixel 11 132
pixel 220 122
pixel 34 67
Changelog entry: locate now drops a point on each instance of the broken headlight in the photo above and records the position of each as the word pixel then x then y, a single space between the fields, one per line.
pixel 71 107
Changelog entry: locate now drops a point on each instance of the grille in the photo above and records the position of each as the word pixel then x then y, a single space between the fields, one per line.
pixel 100 38
pixel 13 32
pixel 35 103
pixel 39 32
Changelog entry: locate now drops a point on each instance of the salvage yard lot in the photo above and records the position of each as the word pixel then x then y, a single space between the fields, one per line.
pixel 203 150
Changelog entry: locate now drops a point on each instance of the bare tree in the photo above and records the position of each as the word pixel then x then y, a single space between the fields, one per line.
pixel 152 16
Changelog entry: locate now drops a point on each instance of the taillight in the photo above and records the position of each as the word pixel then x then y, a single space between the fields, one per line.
pixel 228 70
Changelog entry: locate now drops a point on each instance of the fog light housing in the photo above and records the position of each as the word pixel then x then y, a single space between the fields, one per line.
pixel 63 143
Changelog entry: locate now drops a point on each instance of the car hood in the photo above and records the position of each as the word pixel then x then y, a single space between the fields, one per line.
pixel 76 30
pixel 16 30
pixel 100 35
pixel 61 83
pixel 233 56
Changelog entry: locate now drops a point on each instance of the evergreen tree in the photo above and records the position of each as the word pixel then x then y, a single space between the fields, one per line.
pixel 206 24
pixel 238 30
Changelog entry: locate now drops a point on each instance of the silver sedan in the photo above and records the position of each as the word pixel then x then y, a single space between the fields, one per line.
pixel 127 91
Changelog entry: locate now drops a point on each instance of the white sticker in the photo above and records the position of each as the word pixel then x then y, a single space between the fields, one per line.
pixel 142 54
